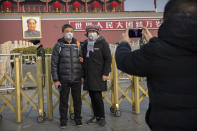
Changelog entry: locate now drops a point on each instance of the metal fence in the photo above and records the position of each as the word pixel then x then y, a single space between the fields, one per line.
pixel 16 78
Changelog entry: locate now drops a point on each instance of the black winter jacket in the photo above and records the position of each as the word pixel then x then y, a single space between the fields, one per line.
pixel 170 64
pixel 97 65
pixel 65 63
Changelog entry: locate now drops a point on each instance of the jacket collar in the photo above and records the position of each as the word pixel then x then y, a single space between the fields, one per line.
pixel 63 42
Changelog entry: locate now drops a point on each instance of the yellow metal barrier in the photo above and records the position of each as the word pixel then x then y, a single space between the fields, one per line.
pixel 115 101
pixel 49 89
pixel 20 94
pixel 18 90
pixel 40 78
pixel 15 92
pixel 114 90
pixel 136 97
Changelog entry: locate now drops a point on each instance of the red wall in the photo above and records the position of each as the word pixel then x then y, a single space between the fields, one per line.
pixel 11 30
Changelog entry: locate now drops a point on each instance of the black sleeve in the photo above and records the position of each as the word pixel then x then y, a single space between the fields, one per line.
pixel 55 63
pixel 107 59
pixel 81 55
pixel 137 62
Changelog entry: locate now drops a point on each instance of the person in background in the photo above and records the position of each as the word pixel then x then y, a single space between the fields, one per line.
pixel 67 74
pixel 169 62
pixel 40 51
pixel 97 66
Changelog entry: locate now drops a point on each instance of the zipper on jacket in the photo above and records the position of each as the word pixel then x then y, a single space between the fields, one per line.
pixel 71 63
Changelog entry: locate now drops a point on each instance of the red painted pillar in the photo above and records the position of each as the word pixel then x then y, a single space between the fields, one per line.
pixel 122 3
pixel 47 6
pixel 105 6
pixel 86 6
pixel 1 8
pixel 18 6
pixel 66 6
pixel 23 8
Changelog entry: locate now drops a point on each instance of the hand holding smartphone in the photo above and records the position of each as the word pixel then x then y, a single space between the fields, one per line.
pixel 135 33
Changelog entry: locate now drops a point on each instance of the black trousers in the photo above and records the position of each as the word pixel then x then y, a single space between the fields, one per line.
pixel 64 97
pixel 97 103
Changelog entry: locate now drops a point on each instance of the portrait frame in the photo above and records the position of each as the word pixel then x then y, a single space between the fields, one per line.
pixel 37 34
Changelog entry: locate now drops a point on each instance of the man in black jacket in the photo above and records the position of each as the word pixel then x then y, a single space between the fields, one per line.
pixel 97 66
pixel 67 73
pixel 169 62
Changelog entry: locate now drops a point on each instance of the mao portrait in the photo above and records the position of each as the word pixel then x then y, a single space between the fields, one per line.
pixel 31 27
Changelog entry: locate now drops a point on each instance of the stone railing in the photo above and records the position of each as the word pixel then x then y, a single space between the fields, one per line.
pixel 5 48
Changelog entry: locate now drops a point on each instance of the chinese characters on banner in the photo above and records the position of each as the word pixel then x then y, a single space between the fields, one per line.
pixel 151 23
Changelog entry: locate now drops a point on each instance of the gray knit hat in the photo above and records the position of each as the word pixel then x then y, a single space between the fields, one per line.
pixel 92 28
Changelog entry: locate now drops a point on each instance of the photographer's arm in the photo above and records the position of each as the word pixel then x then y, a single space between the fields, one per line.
pixel 146 33
pixel 134 63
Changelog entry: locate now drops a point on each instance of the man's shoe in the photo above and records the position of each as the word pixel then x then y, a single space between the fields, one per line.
pixel 78 122
pixel 92 120
pixel 63 124
pixel 102 121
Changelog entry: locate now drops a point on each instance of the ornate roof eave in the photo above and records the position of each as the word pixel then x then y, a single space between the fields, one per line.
pixel 45 0
pixel 119 1
pixel 14 1
pixel 90 1
pixel 111 0
pixel 70 1
pixel 18 0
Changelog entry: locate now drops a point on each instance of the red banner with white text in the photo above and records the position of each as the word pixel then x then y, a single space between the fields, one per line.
pixel 117 24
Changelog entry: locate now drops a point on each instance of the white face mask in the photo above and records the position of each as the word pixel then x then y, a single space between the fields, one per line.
pixel 92 36
pixel 68 36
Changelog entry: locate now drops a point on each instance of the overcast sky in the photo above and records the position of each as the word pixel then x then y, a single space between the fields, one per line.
pixel 144 5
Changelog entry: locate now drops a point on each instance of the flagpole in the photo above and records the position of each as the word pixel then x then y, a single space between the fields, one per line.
pixel 155 4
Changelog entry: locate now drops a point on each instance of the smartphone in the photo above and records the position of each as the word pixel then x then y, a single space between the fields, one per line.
pixel 135 33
